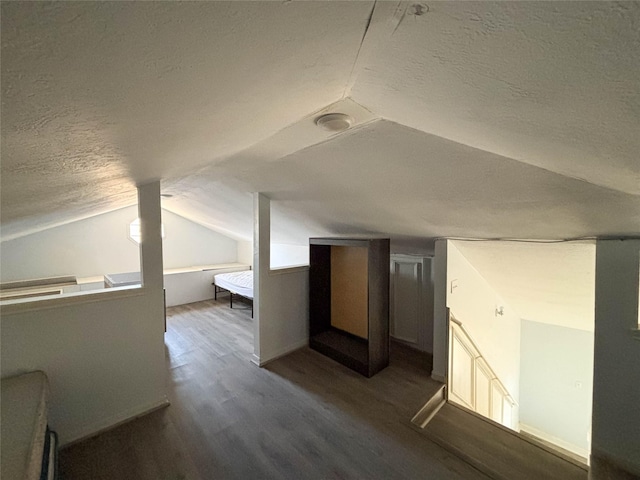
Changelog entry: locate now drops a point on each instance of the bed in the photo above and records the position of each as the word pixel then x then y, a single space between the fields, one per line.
pixel 236 283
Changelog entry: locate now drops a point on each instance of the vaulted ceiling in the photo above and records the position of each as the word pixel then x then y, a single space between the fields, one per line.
pixel 552 283
pixel 474 119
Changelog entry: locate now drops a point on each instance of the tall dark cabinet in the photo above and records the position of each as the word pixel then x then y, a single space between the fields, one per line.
pixel 349 301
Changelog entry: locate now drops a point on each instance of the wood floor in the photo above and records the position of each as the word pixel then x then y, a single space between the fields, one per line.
pixel 302 417
pixel 497 450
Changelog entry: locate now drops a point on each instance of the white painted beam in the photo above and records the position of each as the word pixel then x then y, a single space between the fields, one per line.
pixel 150 214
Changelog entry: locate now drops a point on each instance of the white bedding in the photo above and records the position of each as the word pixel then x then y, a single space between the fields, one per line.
pixel 236 282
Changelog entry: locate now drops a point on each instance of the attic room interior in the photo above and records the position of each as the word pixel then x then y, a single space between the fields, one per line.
pixel 459 180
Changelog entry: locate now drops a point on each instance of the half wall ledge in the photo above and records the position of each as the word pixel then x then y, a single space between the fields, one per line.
pixel 11 307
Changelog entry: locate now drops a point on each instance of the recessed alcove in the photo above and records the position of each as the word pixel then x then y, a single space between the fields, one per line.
pixel 349 301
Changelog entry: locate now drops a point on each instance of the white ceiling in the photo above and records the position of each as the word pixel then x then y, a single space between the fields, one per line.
pixel 99 96
pixel 547 283
pixel 473 118
pixel 552 84
pixel 433 187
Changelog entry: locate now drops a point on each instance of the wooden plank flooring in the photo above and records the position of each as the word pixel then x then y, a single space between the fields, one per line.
pixel 496 450
pixel 304 416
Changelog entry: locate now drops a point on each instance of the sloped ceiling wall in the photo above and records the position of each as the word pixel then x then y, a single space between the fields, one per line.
pixel 485 119
pixel 552 84
pixel 551 283
pixel 388 178
pixel 99 96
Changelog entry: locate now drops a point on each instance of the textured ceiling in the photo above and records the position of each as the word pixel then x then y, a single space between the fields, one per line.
pixel 505 119
pixel 551 283
pixel 387 178
pixel 552 84
pixel 99 96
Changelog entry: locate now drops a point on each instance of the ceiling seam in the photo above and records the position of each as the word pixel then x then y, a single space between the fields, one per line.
pixel 355 61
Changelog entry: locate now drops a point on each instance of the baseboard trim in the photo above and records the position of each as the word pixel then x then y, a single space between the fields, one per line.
pixel 438 378
pixel 431 408
pixel 255 359
pixel 113 422
pixel 544 436
pixel 261 361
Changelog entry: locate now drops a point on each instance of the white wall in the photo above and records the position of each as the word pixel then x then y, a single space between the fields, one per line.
pixel 103 352
pixel 281 298
pixel 245 252
pixel 186 243
pixel 616 383
pixel 556 384
pixel 100 245
pixel 284 313
pixel 473 302
pixel 104 359
pixel 283 255
pixel 93 246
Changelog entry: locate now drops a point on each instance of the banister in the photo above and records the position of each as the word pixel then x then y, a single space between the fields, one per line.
pixel 462 329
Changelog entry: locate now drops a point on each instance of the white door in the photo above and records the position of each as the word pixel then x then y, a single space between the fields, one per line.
pixel 411 311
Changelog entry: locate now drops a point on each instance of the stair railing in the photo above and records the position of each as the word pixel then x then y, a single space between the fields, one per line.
pixel 472 382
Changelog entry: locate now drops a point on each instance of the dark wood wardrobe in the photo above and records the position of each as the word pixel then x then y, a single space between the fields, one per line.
pixel 349 301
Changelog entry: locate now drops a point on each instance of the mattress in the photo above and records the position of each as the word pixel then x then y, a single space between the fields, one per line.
pixel 240 283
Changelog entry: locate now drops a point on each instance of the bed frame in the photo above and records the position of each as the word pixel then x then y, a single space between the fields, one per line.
pixel 217 290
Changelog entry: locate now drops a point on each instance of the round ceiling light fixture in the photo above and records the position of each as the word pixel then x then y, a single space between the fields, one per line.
pixel 334 122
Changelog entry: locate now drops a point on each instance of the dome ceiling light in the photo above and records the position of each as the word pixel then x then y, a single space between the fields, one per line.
pixel 335 122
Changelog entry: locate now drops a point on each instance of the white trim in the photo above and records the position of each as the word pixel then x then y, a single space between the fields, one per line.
pixel 255 359
pixel 472 357
pixel 94 279
pixel 31 294
pixel 114 421
pixel 261 362
pixel 431 408
pixel 584 453
pixel 208 268
pixel 288 270
pixel 46 282
pixel 11 307
pixel 457 326
pixel 410 258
